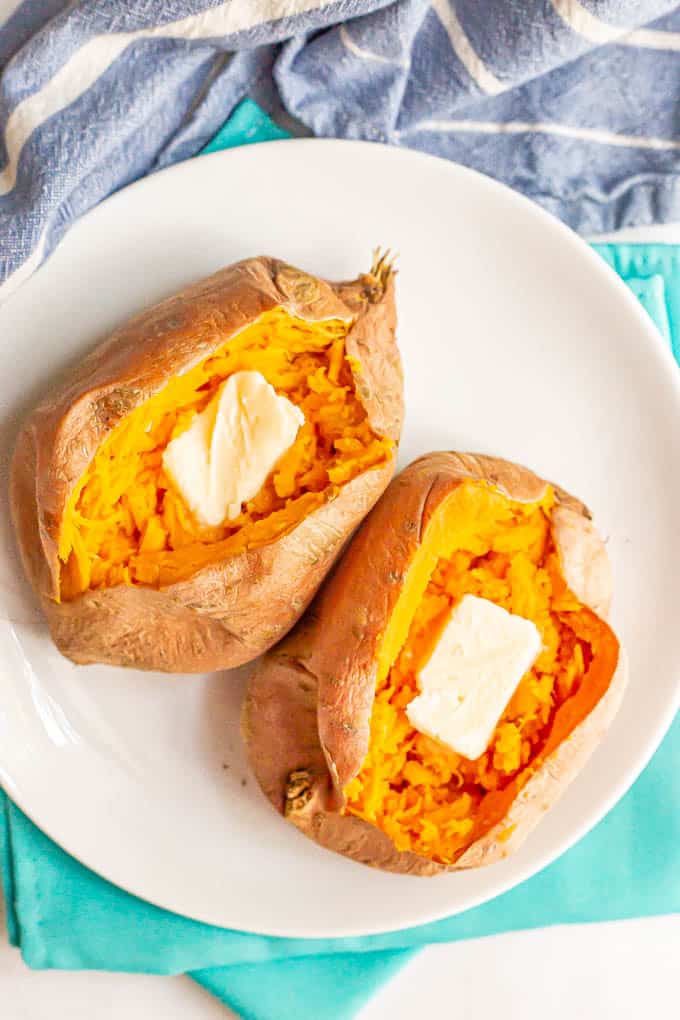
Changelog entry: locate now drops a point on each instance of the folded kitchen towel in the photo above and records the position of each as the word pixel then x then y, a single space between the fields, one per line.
pixel 573 103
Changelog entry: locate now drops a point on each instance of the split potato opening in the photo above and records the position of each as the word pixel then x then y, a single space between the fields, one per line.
pixel 354 772
pixel 180 498
pixel 128 522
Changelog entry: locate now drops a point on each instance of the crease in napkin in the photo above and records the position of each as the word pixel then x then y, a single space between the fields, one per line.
pixel 560 99
pixel 61 915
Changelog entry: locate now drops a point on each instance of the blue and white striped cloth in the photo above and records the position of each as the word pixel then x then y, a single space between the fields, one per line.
pixel 570 101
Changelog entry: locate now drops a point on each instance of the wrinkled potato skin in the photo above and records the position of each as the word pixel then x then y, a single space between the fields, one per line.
pixel 309 702
pixel 232 611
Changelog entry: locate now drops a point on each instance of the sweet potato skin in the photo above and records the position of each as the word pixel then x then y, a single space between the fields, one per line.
pixel 309 702
pixel 232 611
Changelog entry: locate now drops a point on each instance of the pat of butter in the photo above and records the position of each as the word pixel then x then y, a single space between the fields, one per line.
pixel 224 457
pixel 475 668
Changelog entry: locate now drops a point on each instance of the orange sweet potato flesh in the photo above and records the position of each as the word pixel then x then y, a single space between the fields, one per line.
pixel 328 736
pixel 123 575
pixel 126 523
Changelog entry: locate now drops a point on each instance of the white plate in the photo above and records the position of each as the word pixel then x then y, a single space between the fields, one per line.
pixel 516 339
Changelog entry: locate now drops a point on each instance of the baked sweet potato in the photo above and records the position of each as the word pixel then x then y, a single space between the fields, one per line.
pixel 325 717
pixel 124 571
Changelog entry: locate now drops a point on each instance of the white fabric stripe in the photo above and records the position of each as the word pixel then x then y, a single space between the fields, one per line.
pixel 462 47
pixel 652 39
pixel 93 59
pixel 587 25
pixel 518 127
pixel 362 54
pixel 7 9
pixel 63 89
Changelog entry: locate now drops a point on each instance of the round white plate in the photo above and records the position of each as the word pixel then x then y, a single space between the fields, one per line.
pixel 516 340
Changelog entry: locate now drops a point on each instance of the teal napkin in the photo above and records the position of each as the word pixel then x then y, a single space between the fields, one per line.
pixel 61 915
pixel 247 124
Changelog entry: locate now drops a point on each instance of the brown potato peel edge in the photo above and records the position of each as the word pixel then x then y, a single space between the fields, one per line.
pixel 307 712
pixel 216 618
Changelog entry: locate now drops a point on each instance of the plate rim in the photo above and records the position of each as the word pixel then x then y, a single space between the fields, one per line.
pixel 656 346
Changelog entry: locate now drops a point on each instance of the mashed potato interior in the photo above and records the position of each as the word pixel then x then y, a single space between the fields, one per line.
pixel 126 524
pixel 427 798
